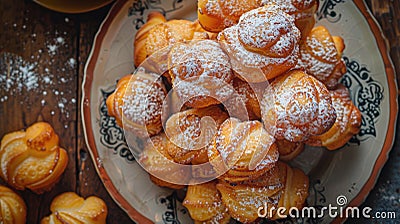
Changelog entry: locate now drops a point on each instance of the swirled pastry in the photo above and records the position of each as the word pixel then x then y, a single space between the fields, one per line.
pixel 32 159
pixel 302 11
pixel 263 45
pixel 216 15
pixel 321 56
pixel 347 124
pixel 245 102
pixel 201 73
pixel 68 207
pixel 13 208
pixel 242 150
pixel 243 199
pixel 295 189
pixel 282 186
pixel 158 33
pixel 159 164
pixel 191 131
pixel 138 102
pixel 204 203
pixel 296 106
pixel 289 150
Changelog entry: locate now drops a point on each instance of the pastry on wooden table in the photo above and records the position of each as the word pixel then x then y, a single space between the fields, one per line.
pixel 296 106
pixel 68 207
pixel 321 56
pixel 203 201
pixel 32 159
pixel 159 164
pixel 242 150
pixel 138 102
pixel 289 150
pixel 191 131
pixel 201 73
pixel 263 45
pixel 13 208
pixel 244 103
pixel 347 124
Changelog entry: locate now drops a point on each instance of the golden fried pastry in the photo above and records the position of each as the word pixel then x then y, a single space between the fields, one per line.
pixel 295 190
pixel 13 208
pixel 296 106
pixel 282 186
pixel 263 45
pixel 201 73
pixel 191 131
pixel 138 102
pixel 204 203
pixel 244 199
pixel 216 15
pixel 242 150
pixel 289 150
pixel 68 207
pixel 321 56
pixel 244 104
pixel 347 124
pixel 302 11
pixel 158 34
pixel 159 164
pixel 32 159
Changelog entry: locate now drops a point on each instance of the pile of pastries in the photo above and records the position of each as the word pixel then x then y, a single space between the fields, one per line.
pixel 241 91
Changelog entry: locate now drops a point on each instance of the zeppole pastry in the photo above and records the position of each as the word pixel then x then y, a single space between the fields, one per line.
pixel 201 73
pixel 242 150
pixel 282 186
pixel 159 164
pixel 216 15
pixel 289 150
pixel 68 207
pixel 244 199
pixel 191 131
pixel 296 106
pixel 138 102
pixel 347 124
pixel 302 11
pixel 263 45
pixel 204 203
pixel 32 159
pixel 13 208
pixel 158 33
pixel 321 56
pixel 244 103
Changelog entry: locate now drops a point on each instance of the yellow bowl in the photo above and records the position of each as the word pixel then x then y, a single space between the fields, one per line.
pixel 73 6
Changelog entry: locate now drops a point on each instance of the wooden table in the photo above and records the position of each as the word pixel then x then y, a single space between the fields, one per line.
pixel 54 47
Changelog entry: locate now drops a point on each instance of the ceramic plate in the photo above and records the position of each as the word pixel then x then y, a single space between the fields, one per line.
pixel 350 171
pixel 73 6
